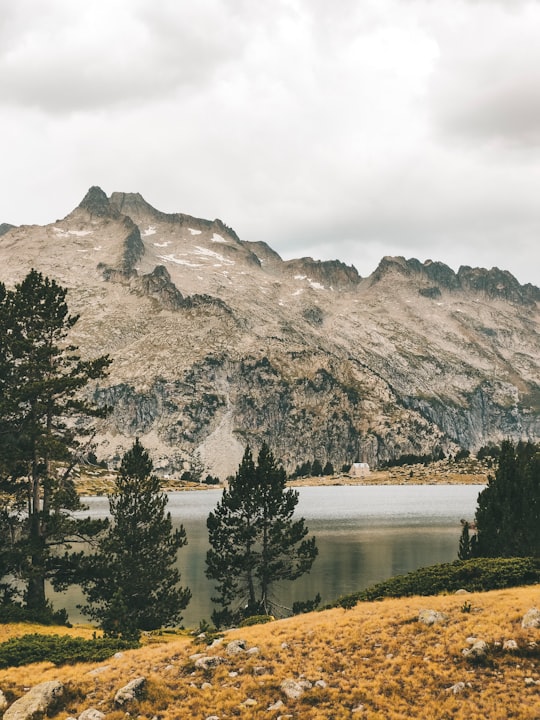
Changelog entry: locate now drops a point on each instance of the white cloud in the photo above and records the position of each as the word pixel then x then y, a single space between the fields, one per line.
pixel 344 129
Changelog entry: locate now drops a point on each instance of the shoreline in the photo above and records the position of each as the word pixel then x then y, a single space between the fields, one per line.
pixel 99 486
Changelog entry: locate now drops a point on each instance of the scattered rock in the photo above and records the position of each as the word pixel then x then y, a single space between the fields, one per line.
pixel 212 717
pixel 432 617
pixel 276 706
pixel 235 647
pixel 510 645
pixel 321 684
pixel 209 661
pixel 206 686
pixel 250 702
pixel 358 709
pixel 531 619
pixel 456 689
pixel 261 670
pixel 91 714
pixel 253 651
pixel 294 689
pixel 99 670
pixel 478 651
pixel 130 692
pixel 37 701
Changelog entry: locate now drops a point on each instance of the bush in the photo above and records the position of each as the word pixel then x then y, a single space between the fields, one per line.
pixel 13 612
pixel 476 575
pixel 257 620
pixel 58 649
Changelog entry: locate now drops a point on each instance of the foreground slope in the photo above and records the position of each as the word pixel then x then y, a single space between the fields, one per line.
pixel 218 342
pixel 376 660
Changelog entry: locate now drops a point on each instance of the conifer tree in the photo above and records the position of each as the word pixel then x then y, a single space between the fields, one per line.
pixel 465 550
pixel 132 583
pixel 255 542
pixel 508 511
pixel 41 379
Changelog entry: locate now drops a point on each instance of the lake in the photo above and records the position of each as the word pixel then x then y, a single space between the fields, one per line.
pixel 364 534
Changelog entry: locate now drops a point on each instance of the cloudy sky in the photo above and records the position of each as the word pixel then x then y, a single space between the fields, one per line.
pixel 347 129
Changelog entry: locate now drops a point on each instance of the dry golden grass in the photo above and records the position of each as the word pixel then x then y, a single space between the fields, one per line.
pixel 376 659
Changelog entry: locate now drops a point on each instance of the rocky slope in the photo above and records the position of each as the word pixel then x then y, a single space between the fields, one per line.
pixel 218 342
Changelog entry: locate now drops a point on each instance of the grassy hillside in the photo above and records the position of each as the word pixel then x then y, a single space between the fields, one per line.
pixel 373 661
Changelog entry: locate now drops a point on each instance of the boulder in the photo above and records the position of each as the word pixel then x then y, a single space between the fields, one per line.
pixel 130 692
pixel 91 714
pixel 208 661
pixel 531 619
pixel 432 617
pixel 3 702
pixel 510 645
pixel 477 651
pixel 456 689
pixel 236 647
pixel 294 689
pixel 37 701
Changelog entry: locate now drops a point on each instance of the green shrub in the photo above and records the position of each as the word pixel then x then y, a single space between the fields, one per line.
pixel 13 612
pixel 476 575
pixel 256 620
pixel 58 649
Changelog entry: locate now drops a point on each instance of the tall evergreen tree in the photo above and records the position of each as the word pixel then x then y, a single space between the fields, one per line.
pixel 41 379
pixel 131 583
pixel 255 542
pixel 508 511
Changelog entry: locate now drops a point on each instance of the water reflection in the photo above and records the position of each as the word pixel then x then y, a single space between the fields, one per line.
pixel 364 534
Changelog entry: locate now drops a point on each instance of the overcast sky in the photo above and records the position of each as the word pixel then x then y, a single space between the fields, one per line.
pixel 347 129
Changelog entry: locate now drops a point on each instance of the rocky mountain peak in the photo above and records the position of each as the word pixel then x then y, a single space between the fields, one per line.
pixel 497 283
pixel 134 205
pixel 97 203
pixel 5 227
pixel 328 273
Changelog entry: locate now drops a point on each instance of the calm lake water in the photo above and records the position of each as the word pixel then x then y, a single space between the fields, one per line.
pixel 364 534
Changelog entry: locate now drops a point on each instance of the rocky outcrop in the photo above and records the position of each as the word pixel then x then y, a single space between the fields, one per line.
pixel 97 204
pixel 5 227
pixel 329 273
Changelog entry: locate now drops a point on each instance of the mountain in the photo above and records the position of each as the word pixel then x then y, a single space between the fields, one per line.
pixel 218 342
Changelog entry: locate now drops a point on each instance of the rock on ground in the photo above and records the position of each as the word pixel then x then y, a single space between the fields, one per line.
pixel 294 689
pixel 531 619
pixel 432 617
pixel 37 701
pixel 130 692
pixel 91 714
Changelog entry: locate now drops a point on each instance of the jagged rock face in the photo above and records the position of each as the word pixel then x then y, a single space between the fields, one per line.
pixel 5 227
pixel 218 342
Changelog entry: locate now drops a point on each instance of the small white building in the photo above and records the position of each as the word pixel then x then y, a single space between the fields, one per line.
pixel 359 469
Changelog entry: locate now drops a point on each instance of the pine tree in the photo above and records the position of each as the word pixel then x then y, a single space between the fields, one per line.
pixel 465 551
pixel 255 542
pixel 508 511
pixel 328 469
pixel 131 583
pixel 41 379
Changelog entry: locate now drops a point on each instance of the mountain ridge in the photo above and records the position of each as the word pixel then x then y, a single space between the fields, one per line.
pixel 218 342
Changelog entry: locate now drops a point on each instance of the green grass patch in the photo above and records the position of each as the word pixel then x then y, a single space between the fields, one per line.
pixel 476 575
pixel 58 649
